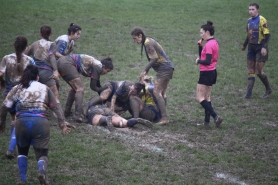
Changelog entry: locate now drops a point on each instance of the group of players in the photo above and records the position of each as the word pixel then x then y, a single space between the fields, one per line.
pixel 31 83
pixel 32 86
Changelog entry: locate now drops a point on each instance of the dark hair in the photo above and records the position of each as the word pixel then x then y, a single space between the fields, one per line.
pixel 73 28
pixel 45 32
pixel 20 45
pixel 255 4
pixel 136 32
pixel 208 27
pixel 107 62
pixel 31 72
pixel 139 87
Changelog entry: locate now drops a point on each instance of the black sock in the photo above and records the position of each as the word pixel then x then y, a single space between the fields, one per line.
pixel 207 106
pixel 207 115
pixel 131 122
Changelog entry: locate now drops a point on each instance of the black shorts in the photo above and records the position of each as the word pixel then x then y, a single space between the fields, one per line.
pixel 208 77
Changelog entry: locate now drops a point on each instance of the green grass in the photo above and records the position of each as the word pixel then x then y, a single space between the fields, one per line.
pixel 244 150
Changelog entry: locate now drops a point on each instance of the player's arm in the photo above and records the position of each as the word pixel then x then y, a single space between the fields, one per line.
pixel 207 61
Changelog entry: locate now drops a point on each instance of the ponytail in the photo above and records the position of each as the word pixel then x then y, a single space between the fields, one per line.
pixel 31 73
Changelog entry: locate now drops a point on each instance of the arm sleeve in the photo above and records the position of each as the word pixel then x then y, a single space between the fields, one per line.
pixel 150 64
pixel 266 40
pixel 207 61
pixel 245 42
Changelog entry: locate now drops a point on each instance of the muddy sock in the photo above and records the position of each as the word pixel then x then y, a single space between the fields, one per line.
pixel 70 100
pixel 78 103
pixel 103 121
pixel 250 85
pixel 42 165
pixel 131 122
pixel 12 141
pixel 207 106
pixel 264 79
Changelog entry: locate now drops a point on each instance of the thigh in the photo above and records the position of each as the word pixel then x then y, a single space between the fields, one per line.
pixel 67 69
pixel 259 67
pixel 202 92
pixel 251 66
pixel 161 85
pixel 76 84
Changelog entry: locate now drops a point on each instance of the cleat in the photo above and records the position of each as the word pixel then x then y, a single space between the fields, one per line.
pixel 67 114
pixel 42 179
pixel 206 124
pixel 144 122
pixel 10 154
pixel 163 121
pixel 110 126
pixel 267 94
pixel 247 96
pixel 218 120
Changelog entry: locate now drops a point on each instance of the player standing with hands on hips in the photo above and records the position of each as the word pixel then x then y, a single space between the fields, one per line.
pixel 208 75
pixel 160 62
pixel 257 39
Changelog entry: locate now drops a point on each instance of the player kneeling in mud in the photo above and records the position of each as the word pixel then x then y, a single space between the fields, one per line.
pixel 100 115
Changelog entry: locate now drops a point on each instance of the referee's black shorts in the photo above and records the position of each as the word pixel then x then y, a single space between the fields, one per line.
pixel 208 77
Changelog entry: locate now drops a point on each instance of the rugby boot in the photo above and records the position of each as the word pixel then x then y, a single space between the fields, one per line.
pixel 163 121
pixel 218 120
pixel 144 122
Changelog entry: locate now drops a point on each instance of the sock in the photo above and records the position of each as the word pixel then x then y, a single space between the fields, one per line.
pixel 12 141
pixel 22 162
pixel 207 106
pixel 250 85
pixel 131 122
pixel 42 165
pixel 207 115
pixel 103 121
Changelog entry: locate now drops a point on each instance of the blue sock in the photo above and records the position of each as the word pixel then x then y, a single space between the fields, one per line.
pixel 22 162
pixel 11 130
pixel 12 141
pixel 131 122
pixel 41 167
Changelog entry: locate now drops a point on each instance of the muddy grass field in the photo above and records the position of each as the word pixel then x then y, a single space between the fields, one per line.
pixel 243 151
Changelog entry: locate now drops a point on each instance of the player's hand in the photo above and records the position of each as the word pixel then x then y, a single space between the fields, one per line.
pixel 197 61
pixel 143 74
pixel 263 52
pixel 243 48
pixel 66 128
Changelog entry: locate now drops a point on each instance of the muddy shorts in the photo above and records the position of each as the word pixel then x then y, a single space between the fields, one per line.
pixel 98 110
pixel 45 73
pixel 67 69
pixel 33 131
pixel 150 113
pixel 165 74
pixel 254 53
pixel 208 77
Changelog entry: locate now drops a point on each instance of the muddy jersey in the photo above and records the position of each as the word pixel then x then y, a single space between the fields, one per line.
pixel 32 101
pixel 87 65
pixel 13 70
pixel 149 98
pixel 40 52
pixel 154 50
pixel 123 88
pixel 64 45
pixel 256 29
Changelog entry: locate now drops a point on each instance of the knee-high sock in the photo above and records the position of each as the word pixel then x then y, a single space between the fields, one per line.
pixel 264 79
pixel 12 141
pixel 78 102
pixel 11 129
pixel 131 122
pixel 42 165
pixel 70 100
pixel 207 115
pixel 250 84
pixel 207 106
pixel 22 162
